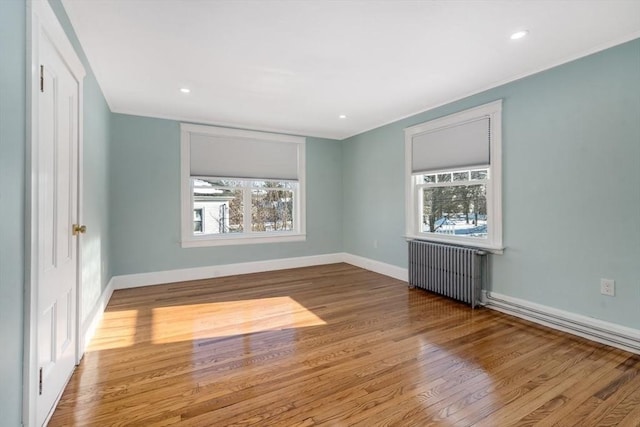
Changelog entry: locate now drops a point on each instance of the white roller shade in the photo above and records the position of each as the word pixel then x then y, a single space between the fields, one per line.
pixel 236 157
pixel 453 147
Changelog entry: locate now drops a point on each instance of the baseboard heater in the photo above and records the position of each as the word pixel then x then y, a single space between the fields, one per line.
pixel 453 271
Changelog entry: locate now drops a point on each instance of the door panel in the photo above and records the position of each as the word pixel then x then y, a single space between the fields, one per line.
pixel 57 212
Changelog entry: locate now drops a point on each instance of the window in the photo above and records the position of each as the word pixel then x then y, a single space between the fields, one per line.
pixel 454 203
pixel 233 205
pixel 241 186
pixel 453 179
pixel 197 221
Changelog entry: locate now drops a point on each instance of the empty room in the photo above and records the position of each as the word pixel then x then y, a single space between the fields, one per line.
pixel 332 213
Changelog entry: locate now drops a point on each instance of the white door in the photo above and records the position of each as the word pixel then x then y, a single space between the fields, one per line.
pixel 57 212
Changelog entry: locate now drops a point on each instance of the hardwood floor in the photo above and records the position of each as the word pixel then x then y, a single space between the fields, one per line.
pixel 336 346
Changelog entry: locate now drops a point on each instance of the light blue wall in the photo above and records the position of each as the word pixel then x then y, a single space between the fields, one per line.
pixel 96 266
pixel 12 181
pixel 373 195
pixel 571 186
pixel 145 202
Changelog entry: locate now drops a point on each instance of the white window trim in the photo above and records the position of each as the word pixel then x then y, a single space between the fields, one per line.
pixel 493 242
pixel 188 239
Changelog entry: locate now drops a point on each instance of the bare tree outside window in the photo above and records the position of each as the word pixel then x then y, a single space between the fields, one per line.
pixel 270 205
pixel 454 204
pixel 272 208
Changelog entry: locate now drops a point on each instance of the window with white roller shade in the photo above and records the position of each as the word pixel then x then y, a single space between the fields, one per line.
pixel 453 175
pixel 241 186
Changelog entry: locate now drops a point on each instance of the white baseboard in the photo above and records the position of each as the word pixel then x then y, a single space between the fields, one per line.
pixel 593 329
pixel 377 266
pixel 181 275
pixel 93 319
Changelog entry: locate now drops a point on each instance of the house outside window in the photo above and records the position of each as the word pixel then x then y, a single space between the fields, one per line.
pixel 270 205
pixel 453 175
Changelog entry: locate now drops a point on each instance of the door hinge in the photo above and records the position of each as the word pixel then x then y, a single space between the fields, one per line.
pixel 42 78
pixel 40 382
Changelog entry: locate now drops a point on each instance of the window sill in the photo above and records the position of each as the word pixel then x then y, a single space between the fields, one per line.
pixel 485 246
pixel 205 241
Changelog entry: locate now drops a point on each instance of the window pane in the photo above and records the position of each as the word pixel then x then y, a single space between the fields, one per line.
pixel 482 174
pixel 444 177
pixel 461 176
pixel 197 221
pixel 274 184
pixel 235 215
pixel 216 209
pixel 271 209
pixel 204 183
pixel 458 210
pixel 429 178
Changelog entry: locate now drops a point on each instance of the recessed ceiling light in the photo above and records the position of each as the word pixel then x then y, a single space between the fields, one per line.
pixel 185 90
pixel 342 116
pixel 519 34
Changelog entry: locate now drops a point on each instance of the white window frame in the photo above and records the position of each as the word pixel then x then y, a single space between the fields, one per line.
pixel 189 240
pixel 413 188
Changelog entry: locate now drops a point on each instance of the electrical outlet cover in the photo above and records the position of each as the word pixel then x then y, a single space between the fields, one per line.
pixel 607 287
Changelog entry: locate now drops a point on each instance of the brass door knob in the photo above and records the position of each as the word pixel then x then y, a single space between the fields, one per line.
pixel 79 229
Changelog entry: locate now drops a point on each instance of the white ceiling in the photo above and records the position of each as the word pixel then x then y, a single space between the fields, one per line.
pixel 295 66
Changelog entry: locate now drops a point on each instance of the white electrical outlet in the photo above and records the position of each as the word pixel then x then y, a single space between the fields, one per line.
pixel 608 287
pixel 375 244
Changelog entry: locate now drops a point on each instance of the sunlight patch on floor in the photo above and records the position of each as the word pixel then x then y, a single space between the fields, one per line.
pixel 223 319
pixel 122 332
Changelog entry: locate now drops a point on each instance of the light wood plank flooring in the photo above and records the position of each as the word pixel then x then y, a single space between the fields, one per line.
pixel 336 346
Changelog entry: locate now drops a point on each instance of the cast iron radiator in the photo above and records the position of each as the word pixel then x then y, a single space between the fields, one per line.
pixel 453 271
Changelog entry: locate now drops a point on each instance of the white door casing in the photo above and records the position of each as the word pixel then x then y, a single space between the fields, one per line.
pixel 52 310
